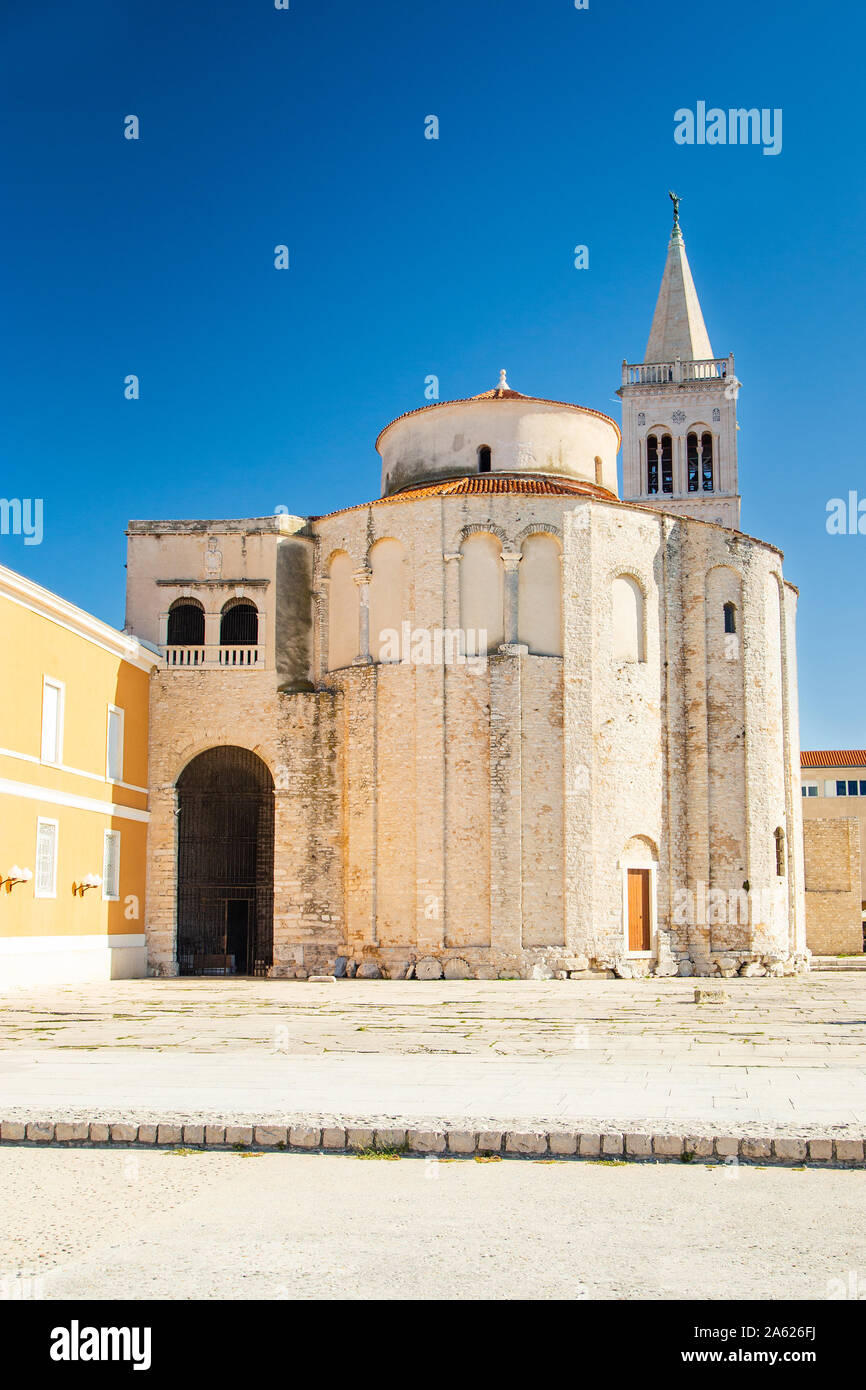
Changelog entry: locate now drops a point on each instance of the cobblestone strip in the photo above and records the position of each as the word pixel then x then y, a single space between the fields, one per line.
pixel 561 1144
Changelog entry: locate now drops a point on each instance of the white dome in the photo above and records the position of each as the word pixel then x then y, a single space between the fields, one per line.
pixel 524 434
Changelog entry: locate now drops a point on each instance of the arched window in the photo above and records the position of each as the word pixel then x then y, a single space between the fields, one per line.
pixel 481 593
pixel 386 600
pixel 692 460
pixel 342 612
pixel 484 459
pixel 628 619
pixel 707 462
pixel 599 470
pixel 239 623
pixel 185 623
pixel 652 464
pixel 730 618
pixel 539 596
pixel 667 463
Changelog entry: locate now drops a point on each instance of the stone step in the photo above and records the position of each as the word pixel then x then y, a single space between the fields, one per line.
pixel 839 962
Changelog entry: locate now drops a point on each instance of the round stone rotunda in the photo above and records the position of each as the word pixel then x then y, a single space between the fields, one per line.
pixel 497 722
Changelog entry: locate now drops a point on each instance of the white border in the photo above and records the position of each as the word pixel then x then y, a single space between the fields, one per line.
pixel 79 803
pixel 25 945
pixel 75 771
pixel 24 592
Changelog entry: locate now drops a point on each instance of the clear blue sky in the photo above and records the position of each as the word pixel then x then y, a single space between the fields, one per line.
pixel 411 256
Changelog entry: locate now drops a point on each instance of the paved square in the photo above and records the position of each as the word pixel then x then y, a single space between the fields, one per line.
pixel 788 1054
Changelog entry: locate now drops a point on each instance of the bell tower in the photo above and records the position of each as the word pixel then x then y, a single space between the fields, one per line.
pixel 679 407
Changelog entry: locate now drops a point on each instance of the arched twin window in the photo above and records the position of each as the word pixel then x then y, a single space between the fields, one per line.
pixel 699 454
pixel 659 463
pixel 185 623
pixel 239 623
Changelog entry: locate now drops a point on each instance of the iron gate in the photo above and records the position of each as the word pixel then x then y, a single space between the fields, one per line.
pixel 225 864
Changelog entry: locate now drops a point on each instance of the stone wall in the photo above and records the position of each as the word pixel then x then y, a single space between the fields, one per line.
pixel 488 813
pixel 832 865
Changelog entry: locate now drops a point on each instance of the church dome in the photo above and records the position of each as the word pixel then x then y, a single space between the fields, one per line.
pixel 501 431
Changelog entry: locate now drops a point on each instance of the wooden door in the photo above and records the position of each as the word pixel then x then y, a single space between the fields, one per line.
pixel 638 909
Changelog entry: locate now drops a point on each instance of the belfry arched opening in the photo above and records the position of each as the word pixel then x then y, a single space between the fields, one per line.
pixel 225 877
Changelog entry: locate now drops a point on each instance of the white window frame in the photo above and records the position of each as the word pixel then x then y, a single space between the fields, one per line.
pixel 830 786
pixel 807 793
pixel 106 896
pixel 60 687
pixel 40 821
pixel 653 899
pixel 114 709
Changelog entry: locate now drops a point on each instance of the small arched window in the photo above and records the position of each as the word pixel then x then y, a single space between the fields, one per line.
pixel 484 459
pixel 692 461
pixel 185 624
pixel 707 462
pixel 779 836
pixel 652 464
pixel 667 463
pixel 239 624
pixel 599 470
pixel 730 618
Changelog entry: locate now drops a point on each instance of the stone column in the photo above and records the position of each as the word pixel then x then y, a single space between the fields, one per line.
pixel 362 579
pixel 451 595
pixel 580 775
pixel 212 637
pixel 511 559
pixel 160 917
pixel 694 639
pixel 321 638
pixel 360 809
pixel 506 818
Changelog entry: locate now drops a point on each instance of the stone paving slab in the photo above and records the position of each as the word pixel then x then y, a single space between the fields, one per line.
pixel 785 1057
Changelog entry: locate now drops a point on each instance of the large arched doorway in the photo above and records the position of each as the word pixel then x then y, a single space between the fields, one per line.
pixel 225 864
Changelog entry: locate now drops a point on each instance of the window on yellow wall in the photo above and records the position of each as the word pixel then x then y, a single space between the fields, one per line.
pixel 46 859
pixel 114 750
pixel 111 866
pixel 52 720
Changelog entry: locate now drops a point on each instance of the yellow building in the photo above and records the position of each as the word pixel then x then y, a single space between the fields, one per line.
pixel 73 791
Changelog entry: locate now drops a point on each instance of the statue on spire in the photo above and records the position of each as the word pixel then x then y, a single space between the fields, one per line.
pixel 675 199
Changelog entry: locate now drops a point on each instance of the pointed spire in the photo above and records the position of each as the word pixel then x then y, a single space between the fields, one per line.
pixel 678 328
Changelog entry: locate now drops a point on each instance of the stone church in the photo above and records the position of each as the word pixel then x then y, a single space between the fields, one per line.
pixel 500 720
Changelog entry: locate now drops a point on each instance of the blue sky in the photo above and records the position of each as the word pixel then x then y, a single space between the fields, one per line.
pixel 412 256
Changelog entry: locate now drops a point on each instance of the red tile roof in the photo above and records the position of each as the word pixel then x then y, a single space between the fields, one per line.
pixel 845 757
pixel 484 484
pixel 481 483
